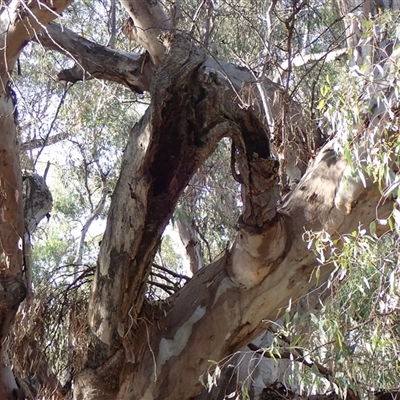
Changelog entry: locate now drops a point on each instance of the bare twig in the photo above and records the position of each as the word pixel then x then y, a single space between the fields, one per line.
pixel 174 274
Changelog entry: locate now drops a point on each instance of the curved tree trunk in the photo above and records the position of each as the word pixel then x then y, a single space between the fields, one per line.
pixel 229 301
pixel 141 350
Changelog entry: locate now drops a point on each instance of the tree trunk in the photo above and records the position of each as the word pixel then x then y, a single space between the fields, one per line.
pixel 142 350
pixel 190 241
pixel 12 285
pixel 230 301
pixel 17 26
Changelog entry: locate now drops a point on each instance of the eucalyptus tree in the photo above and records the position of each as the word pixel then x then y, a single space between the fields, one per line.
pixel 296 177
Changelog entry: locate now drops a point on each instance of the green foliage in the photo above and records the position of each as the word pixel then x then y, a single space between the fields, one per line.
pixel 168 254
pixel 355 332
pixel 48 254
pixel 212 200
pixel 90 121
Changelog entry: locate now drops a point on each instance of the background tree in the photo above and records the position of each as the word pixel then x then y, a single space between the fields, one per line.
pixel 315 158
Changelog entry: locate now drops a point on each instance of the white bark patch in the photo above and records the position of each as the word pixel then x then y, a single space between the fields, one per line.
pixel 225 285
pixel 250 244
pixel 104 330
pixel 254 255
pixel 173 347
pixel 246 269
pixel 6 109
pixel 349 190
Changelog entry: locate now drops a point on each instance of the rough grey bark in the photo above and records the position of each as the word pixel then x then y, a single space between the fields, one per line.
pixel 38 200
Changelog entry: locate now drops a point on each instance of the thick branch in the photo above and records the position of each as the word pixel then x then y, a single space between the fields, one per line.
pixel 148 22
pixel 231 301
pixel 39 143
pixel 304 59
pixel 96 61
pixel 19 21
pixel 132 70
pixel 136 73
